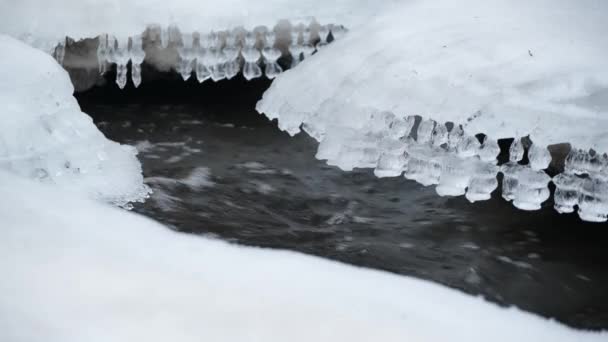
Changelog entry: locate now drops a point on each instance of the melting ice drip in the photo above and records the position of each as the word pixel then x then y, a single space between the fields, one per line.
pixel 459 164
pixel 216 55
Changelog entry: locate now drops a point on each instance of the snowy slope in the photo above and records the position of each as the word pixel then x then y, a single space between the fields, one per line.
pixel 76 270
pixel 45 136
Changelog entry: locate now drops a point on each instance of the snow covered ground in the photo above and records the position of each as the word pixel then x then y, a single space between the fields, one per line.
pixel 77 270
pixel 45 136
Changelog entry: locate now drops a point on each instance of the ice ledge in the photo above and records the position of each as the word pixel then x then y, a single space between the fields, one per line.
pixel 456 162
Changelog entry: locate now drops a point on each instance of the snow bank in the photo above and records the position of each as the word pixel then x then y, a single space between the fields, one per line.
pixel 45 136
pixel 503 68
pixel 77 270
pixel 507 69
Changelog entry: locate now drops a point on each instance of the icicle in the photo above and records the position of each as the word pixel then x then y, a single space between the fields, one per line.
pixel 425 130
pixel 251 69
pixel 137 58
pixel 539 157
pixel 231 53
pixel 440 135
pixel 295 48
pixel 455 136
pixel 296 55
pixel 468 146
pixel 218 66
pixel 527 188
pixel 567 187
pixel 306 47
pixel 483 182
pixel 102 52
pixel 532 189
pixel 510 181
pixel 323 34
pixel 516 151
pixel 593 203
pixel 455 176
pixel 204 60
pixel 187 55
pixel 581 162
pixel 118 53
pixel 390 165
pixel 423 165
pixel 489 150
pixel 251 55
pixel 271 55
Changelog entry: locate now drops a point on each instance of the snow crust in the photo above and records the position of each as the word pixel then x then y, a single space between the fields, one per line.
pixel 503 68
pixel 45 136
pixel 77 270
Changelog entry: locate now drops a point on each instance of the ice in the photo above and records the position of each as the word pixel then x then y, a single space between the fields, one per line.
pixel 497 70
pixel 45 136
pixel 539 157
pixel 187 55
pixel 121 52
pixel 489 150
pixel 251 69
pixel 455 176
pixel 215 55
pixel 75 270
pixel 593 202
pixel 323 35
pixel 516 151
pixel 567 187
pixel 483 182
pixel 584 183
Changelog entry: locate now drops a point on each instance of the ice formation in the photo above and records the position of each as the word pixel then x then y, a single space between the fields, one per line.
pixel 75 270
pixel 216 55
pixel 469 69
pixel 45 136
pixel 213 40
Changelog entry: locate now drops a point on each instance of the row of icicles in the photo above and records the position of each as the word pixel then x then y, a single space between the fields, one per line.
pixel 459 164
pixel 216 55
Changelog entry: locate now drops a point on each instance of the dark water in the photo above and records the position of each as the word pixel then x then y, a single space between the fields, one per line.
pixel 218 168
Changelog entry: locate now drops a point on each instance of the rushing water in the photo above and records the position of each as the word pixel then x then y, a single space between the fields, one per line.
pixel 218 168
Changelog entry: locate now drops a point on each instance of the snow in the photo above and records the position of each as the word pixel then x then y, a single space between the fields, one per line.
pixel 124 18
pixel 45 136
pixel 78 270
pixel 502 68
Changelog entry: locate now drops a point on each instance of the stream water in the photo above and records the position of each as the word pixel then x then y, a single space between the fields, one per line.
pixel 220 169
